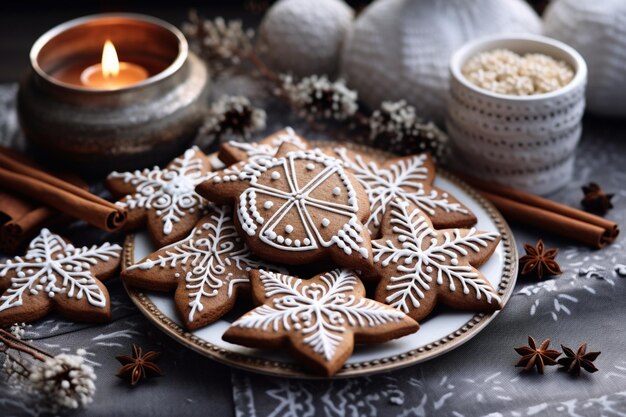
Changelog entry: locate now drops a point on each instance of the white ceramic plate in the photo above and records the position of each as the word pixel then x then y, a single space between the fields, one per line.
pixel 440 333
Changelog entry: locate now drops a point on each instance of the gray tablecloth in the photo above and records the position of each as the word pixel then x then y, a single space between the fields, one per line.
pixel 587 303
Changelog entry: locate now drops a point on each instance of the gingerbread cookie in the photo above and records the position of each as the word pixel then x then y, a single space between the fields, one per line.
pixel 420 266
pixel 208 269
pixel 55 275
pixel 410 178
pixel 319 319
pixel 298 207
pixel 233 152
pixel 165 198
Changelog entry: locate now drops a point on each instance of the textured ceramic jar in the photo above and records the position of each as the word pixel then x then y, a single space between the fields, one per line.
pixel 97 131
pixel 528 142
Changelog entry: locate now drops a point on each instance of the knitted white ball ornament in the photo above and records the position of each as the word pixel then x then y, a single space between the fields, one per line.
pixel 305 37
pixel 596 29
pixel 400 49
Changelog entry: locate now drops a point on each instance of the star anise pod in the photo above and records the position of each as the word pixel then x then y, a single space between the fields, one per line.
pixel 537 356
pixel 138 366
pixel 539 260
pixel 573 361
pixel 595 199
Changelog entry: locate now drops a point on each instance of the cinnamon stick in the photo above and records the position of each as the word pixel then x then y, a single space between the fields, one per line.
pixel 27 180
pixel 548 215
pixel 21 219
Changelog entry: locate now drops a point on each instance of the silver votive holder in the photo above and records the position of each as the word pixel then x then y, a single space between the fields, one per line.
pixel 95 130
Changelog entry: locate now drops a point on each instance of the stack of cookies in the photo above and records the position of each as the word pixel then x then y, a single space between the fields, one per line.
pixel 325 246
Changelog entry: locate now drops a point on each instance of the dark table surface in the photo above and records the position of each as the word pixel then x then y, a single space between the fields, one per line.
pixel 587 303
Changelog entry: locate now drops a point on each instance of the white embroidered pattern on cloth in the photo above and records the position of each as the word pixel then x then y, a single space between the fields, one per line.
pixel 415 262
pixel 560 297
pixel 169 191
pixel 346 234
pixel 210 250
pixel 320 312
pixel 255 150
pixel 404 179
pixel 50 259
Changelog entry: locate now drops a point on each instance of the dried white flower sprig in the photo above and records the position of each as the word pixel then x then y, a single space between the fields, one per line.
pixel 65 381
pixel 218 41
pixel 57 382
pixel 397 128
pixel 317 97
pixel 233 115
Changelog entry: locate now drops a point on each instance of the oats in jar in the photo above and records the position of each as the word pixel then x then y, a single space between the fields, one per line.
pixel 506 72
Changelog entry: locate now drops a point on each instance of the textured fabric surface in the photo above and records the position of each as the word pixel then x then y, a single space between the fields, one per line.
pixel 587 303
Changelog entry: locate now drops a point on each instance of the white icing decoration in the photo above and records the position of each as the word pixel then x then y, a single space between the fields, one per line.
pixel 268 205
pixel 42 270
pixel 275 175
pixel 169 191
pixel 297 201
pixel 320 312
pixel 206 259
pixel 310 166
pixel 336 191
pixel 289 228
pixel 404 179
pixel 325 222
pixel 414 261
pixel 257 151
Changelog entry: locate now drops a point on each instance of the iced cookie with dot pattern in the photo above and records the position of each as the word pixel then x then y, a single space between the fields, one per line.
pixel 298 207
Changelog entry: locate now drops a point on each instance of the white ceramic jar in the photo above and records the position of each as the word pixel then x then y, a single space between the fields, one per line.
pixel 527 142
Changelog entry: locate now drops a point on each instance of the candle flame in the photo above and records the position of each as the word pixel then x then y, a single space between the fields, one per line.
pixel 110 63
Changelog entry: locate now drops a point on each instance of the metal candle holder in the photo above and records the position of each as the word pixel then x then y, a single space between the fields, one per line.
pixel 94 130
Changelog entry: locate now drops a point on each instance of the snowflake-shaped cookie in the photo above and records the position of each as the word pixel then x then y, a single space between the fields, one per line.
pixel 320 318
pixel 55 275
pixel 164 197
pixel 298 207
pixel 409 178
pixel 420 266
pixel 208 269
pixel 233 152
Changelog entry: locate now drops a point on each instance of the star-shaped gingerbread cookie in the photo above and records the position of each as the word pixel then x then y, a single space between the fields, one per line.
pixel 420 266
pixel 208 269
pixel 319 319
pixel 409 178
pixel 164 198
pixel 55 275
pixel 298 207
pixel 232 152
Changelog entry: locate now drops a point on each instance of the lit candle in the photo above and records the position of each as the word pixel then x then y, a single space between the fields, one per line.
pixel 112 74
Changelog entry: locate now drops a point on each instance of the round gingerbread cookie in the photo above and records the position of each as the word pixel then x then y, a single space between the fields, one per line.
pixel 420 266
pixel 208 269
pixel 319 319
pixel 56 275
pixel 232 152
pixel 409 178
pixel 164 198
pixel 298 207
